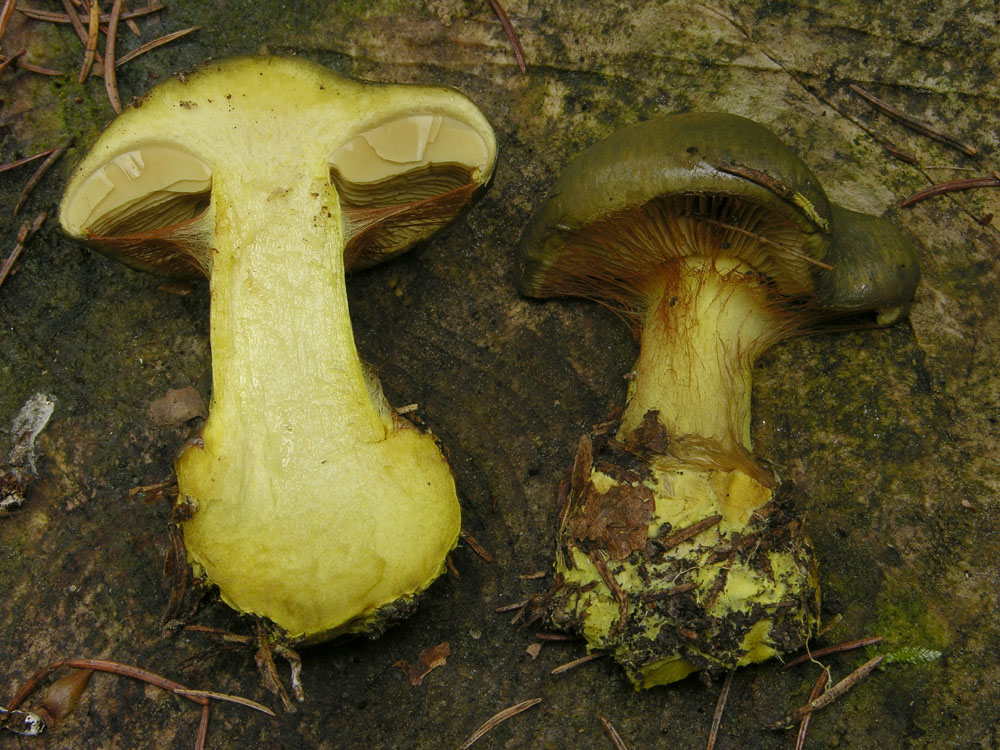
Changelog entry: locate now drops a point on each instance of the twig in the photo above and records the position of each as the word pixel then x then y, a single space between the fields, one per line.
pixel 26 160
pixel 911 122
pixel 227 698
pixel 508 28
pixel 475 546
pixel 132 25
pixel 839 648
pixel 110 83
pixel 556 637
pixel 153 44
pixel 497 719
pixel 832 694
pixel 13 58
pixel 23 235
pixel 779 188
pixel 972 183
pixel 817 689
pixel 40 172
pixel 898 153
pixel 202 736
pixel 81 32
pixel 44 15
pixel 511 607
pixel 613 735
pixel 90 56
pixel 577 662
pixel 720 706
pixel 689 532
pixel 18 59
pixel 5 14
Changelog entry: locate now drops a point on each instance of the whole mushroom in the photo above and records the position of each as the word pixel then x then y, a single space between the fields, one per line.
pixel 310 501
pixel 678 549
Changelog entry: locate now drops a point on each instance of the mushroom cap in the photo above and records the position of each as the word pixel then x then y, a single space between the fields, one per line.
pixel 696 180
pixel 874 268
pixel 403 158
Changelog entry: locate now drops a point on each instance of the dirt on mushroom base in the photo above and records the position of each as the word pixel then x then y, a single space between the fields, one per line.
pixel 649 568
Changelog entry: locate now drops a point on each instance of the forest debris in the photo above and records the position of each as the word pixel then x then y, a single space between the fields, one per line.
pixel 720 706
pixel 110 82
pixel 497 719
pixel 428 660
pixel 971 183
pixel 817 690
pixel 20 470
pixel 508 28
pixel 475 546
pixel 23 235
pixel 178 406
pixel 839 648
pixel 828 697
pixel 612 733
pixel 912 122
pixel 577 662
pixel 40 172
pixel 153 44
pixel 33 724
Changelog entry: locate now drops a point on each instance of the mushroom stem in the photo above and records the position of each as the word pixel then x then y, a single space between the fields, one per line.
pixel 296 425
pixel 283 353
pixel 707 321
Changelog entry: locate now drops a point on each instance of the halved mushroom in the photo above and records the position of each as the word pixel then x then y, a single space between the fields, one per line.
pixel 312 503
pixel 678 550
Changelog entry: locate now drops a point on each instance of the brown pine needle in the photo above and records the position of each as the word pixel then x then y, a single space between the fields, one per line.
pixel 81 32
pixel 577 662
pixel 23 235
pixel 855 677
pixel 498 719
pixel 40 172
pixel 110 83
pixel 18 60
pixel 508 28
pixel 511 607
pixel 26 160
pixel 720 706
pixel 13 58
pixel 816 691
pixel 154 44
pixel 912 123
pixel 227 698
pixel 202 736
pixel 839 648
pixel 556 637
pixel 475 546
pixel 613 735
pixel 44 15
pixel 972 183
pixel 90 56
pixel 132 25
pixel 5 14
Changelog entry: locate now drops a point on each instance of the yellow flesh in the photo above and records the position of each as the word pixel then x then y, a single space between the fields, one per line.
pixel 698 347
pixel 313 505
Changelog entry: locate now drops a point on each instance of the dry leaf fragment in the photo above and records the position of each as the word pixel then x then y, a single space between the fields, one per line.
pixel 429 659
pixel 63 696
pixel 534 649
pixel 178 406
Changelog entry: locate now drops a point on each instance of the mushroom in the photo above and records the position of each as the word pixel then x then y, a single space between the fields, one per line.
pixel 309 500
pixel 678 549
